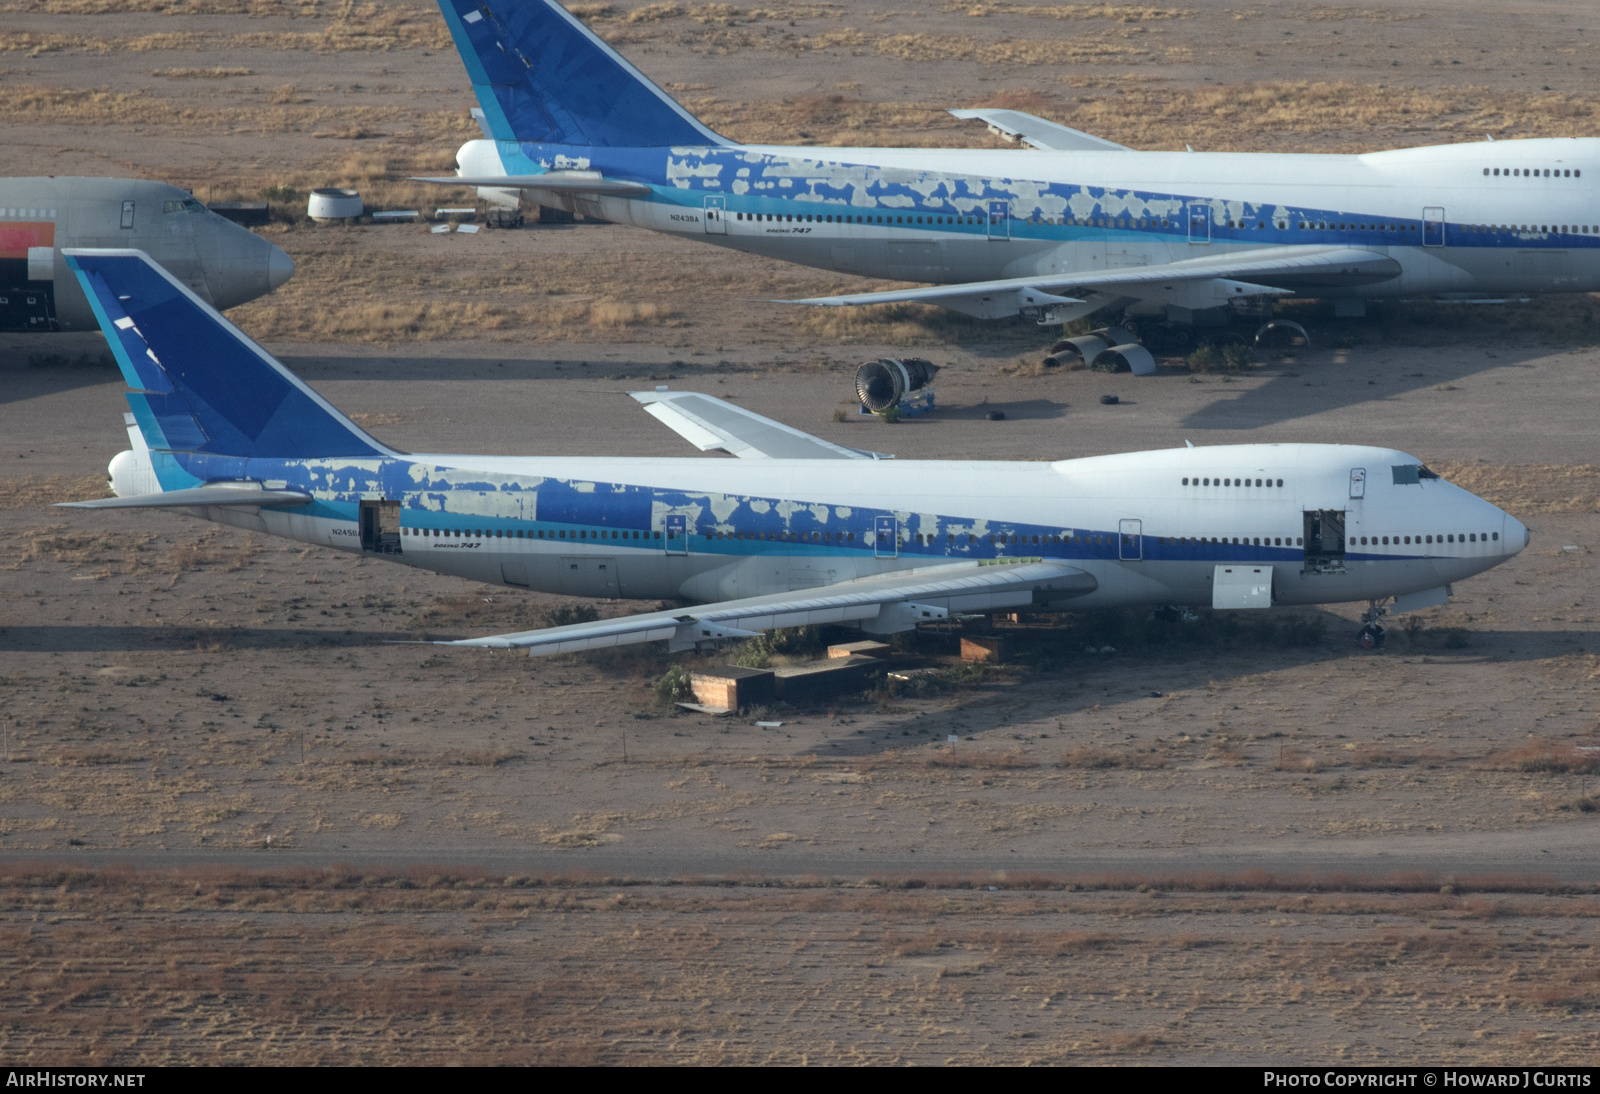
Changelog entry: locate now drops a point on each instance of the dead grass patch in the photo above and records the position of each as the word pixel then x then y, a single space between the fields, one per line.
pixel 906 324
pixel 1528 488
pixel 1376 754
pixel 1294 759
pixel 345 27
pixel 1545 757
pixel 442 320
pixel 71 547
pixel 213 73
pixel 81 757
pixel 1122 13
pixel 290 9
pixel 1310 116
pixel 37 104
pixel 207 550
pixel 456 965
pixel 1091 759
pixel 43 491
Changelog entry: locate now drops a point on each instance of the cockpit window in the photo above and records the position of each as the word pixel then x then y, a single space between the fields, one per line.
pixel 187 205
pixel 1410 474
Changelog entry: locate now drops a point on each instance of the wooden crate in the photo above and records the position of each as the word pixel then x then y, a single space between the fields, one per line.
pixel 859 649
pixel 731 687
pixel 815 680
pixel 993 648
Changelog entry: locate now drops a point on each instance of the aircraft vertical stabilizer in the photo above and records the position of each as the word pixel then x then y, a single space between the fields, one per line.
pixel 541 76
pixel 198 383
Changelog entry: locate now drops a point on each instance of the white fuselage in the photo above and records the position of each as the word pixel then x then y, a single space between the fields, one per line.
pixel 1150 527
pixel 1491 217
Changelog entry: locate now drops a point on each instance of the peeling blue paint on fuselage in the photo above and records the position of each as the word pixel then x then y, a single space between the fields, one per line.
pixel 452 502
pixel 936 215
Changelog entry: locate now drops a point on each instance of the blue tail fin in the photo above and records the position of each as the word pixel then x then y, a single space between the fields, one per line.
pixel 543 77
pixel 198 384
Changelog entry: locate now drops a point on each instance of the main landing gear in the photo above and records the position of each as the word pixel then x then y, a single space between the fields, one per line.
pixel 1370 637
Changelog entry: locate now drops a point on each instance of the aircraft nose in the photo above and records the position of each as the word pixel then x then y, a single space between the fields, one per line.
pixel 239 264
pixel 1516 536
pixel 280 268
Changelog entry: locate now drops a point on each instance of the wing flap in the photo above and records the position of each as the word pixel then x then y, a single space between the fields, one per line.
pixel 230 494
pixel 1250 271
pixel 710 424
pixel 972 586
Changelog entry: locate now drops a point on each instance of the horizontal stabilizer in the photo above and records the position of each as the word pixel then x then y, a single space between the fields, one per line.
pixel 557 182
pixel 964 587
pixel 217 494
pixel 710 424
pixel 1038 133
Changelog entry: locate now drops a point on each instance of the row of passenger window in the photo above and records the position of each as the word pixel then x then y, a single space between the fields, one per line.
pixel 1243 541
pixel 27 214
pixel 1533 172
pixel 1546 229
pixel 501 533
pixel 1470 537
pixel 1230 482
pixel 829 218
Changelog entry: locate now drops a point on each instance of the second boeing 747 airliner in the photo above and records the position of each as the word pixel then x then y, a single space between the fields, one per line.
pixel 795 531
pixel 1076 225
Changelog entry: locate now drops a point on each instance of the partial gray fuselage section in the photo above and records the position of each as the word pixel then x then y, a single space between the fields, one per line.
pixel 222 262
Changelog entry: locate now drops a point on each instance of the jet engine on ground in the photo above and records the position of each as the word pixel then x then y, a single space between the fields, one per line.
pixel 889 382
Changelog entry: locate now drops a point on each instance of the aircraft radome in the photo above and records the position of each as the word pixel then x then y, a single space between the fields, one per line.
pixel 796 530
pixel 224 263
pixel 1074 225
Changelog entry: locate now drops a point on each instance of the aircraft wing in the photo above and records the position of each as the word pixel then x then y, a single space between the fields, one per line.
pixel 1195 282
pixel 709 423
pixel 895 601
pixel 1038 133
pixel 557 182
pixel 219 494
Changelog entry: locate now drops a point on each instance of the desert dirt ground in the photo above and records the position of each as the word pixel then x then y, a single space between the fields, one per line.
pixel 1218 842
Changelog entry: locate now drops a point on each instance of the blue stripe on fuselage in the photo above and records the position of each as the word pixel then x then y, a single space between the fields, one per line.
pixel 568 511
pixel 762 184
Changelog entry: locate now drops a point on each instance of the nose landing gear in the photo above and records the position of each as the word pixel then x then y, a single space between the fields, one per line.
pixel 1370 637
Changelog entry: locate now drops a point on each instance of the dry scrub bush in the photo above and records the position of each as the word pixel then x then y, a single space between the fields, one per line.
pixel 207 551
pixel 1545 757
pixel 968 759
pixel 907 324
pixel 1293 759
pixel 1382 755
pixel 58 543
pixel 1085 757
pixel 202 73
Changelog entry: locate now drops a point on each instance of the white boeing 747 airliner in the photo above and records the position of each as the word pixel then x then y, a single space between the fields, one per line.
pixel 1076 225
pixel 796 530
